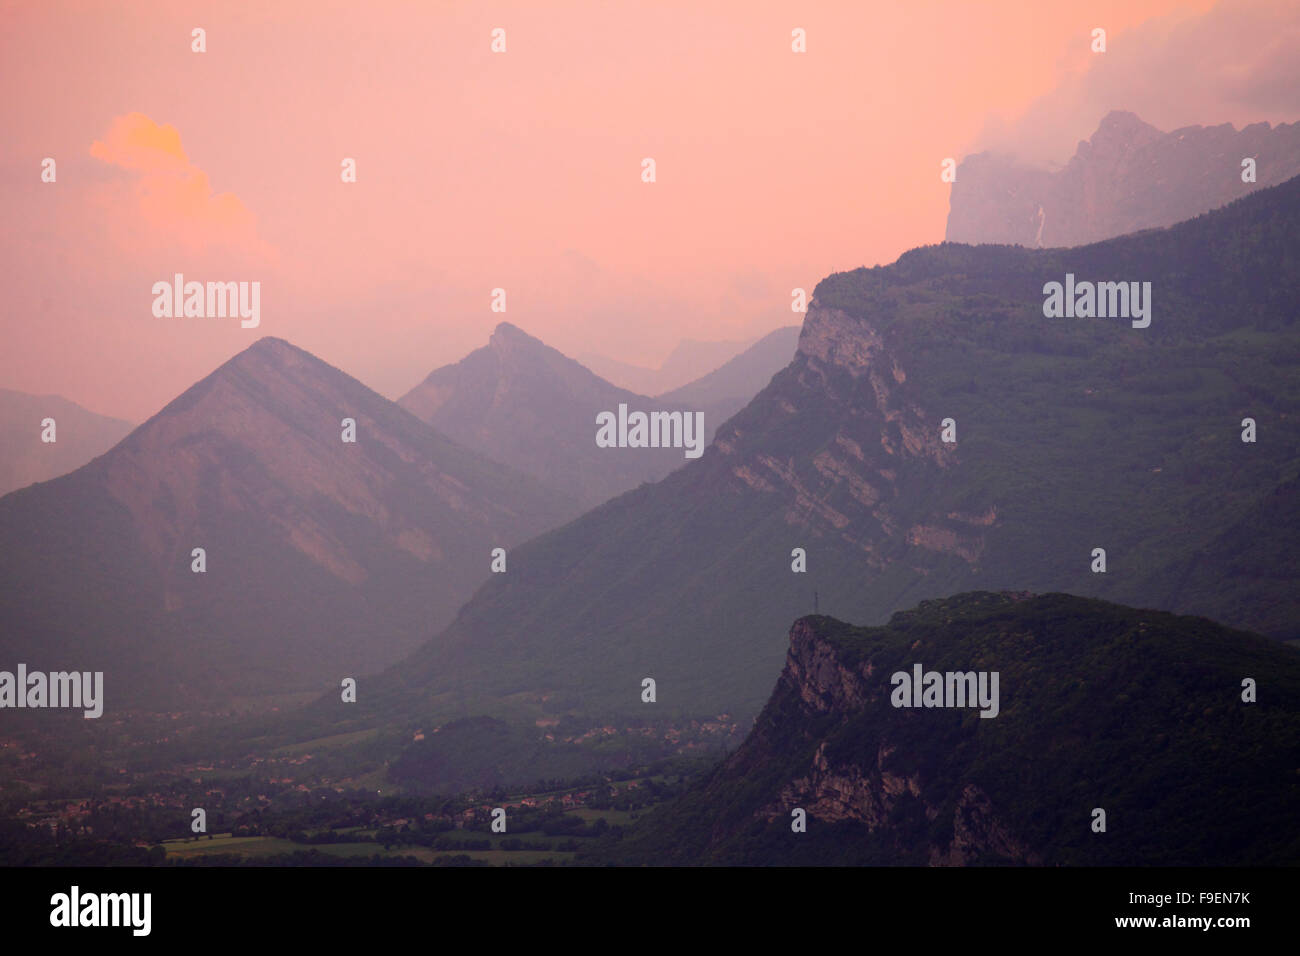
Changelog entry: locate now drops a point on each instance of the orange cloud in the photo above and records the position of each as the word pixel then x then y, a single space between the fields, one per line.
pixel 137 143
pixel 171 197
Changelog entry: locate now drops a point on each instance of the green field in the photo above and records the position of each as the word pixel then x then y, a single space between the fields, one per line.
pixel 254 847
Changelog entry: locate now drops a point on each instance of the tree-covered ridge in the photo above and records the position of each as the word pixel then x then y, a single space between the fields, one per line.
pixel 1197 265
pixel 1137 712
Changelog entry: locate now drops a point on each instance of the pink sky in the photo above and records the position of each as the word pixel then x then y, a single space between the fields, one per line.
pixel 522 170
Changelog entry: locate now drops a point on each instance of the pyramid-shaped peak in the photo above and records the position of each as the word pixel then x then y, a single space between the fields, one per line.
pixel 507 332
pixel 269 367
pixel 273 352
pixel 270 346
pixel 272 342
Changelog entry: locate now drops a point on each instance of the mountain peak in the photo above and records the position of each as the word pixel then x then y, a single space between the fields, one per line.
pixel 268 355
pixel 517 400
pixel 1122 120
pixel 271 341
pixel 272 363
pixel 274 348
pixel 1119 132
pixel 506 332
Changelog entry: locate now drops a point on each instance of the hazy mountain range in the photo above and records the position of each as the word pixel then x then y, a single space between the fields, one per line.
pixel 1128 176
pixel 729 388
pixel 324 559
pixel 1072 434
pixel 80 435
pixel 327 558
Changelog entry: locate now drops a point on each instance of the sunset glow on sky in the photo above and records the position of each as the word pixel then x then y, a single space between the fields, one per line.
pixel 521 170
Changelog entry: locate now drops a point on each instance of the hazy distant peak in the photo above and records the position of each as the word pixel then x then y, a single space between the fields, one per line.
pixel 82 436
pixel 527 405
pixel 509 337
pixel 1123 120
pixel 1119 132
pixel 741 377
pixel 510 330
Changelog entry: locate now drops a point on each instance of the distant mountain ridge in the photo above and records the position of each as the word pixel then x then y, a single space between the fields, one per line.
pixel 1137 713
pixel 690 359
pixel 80 435
pixel 1128 176
pixel 324 559
pixel 529 406
pixel 729 388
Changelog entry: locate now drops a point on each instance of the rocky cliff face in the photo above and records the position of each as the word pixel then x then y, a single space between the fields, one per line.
pixel 849 488
pixel 834 789
pixel 1128 176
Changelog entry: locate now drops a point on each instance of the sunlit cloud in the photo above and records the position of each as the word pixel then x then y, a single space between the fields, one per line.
pixel 167 195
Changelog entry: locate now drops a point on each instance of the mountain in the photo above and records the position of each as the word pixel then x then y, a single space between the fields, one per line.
pixel 728 389
pixel 324 559
pixel 1129 176
pixel 1138 713
pixel 690 359
pixel 79 436
pixel 1072 435
pixel 521 402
